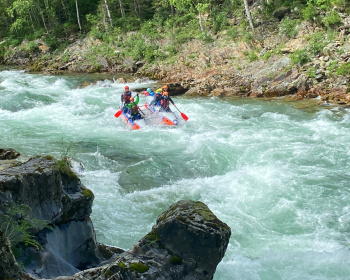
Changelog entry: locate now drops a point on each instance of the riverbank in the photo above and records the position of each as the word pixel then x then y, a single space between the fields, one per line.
pixel 303 61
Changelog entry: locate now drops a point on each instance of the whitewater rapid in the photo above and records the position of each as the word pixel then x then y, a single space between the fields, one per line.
pixel 276 172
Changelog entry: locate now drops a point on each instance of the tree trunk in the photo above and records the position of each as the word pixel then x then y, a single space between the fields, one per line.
pixel 76 6
pixel 200 21
pixel 43 19
pixel 121 8
pixel 249 17
pixel 108 13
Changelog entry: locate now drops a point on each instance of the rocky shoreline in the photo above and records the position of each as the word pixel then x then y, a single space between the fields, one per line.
pixel 225 68
pixel 187 241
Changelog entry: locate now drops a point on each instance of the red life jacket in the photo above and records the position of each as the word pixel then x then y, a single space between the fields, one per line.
pixel 127 96
pixel 165 103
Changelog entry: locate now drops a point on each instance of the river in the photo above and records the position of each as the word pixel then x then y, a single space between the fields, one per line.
pixel 277 172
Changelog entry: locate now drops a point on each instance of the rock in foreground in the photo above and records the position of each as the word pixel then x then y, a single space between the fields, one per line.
pixel 187 242
pixel 56 195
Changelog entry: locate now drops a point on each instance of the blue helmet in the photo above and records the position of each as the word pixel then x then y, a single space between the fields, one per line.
pixel 149 90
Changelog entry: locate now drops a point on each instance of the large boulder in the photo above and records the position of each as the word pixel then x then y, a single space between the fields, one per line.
pixel 54 194
pixel 187 242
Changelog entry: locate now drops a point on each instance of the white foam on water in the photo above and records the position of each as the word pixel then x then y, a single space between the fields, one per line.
pixel 278 176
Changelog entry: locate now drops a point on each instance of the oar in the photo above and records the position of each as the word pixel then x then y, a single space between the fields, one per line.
pixel 182 114
pixel 141 111
pixel 118 114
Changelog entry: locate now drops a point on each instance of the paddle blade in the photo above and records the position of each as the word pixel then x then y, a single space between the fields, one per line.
pixel 184 116
pixel 118 114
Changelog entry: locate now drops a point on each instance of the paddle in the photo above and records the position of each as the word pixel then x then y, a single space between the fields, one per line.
pixel 141 111
pixel 118 114
pixel 182 114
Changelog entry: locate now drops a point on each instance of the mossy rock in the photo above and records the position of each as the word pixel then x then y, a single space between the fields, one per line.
pixel 175 260
pixel 87 193
pixel 138 267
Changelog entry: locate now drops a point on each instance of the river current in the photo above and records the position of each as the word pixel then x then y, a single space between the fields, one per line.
pixel 277 172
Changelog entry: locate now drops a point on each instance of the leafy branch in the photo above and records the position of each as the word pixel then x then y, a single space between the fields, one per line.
pixel 19 226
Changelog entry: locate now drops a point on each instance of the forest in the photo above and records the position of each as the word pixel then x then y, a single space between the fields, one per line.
pixel 59 22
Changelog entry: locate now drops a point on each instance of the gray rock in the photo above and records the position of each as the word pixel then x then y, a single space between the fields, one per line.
pixel 54 194
pixel 6 154
pixel 187 242
pixel 281 12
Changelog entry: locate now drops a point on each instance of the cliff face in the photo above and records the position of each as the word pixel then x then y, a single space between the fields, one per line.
pixel 59 198
pixel 187 242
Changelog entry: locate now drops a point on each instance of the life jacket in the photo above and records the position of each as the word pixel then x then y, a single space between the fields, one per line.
pixel 127 96
pixel 157 99
pixel 133 109
pixel 165 103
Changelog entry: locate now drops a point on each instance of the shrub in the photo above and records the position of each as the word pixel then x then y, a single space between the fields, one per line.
pixel 220 22
pixel 287 27
pixel 333 65
pixel 300 57
pixel 333 19
pixel 251 56
pixel 344 69
pixel 18 225
pixel 316 43
pixel 232 33
pixel 310 13
pixel 311 72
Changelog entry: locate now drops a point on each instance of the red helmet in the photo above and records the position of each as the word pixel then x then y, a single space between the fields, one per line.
pixel 126 87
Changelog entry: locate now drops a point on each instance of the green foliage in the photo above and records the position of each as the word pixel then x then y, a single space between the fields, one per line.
pixel 220 22
pixel 344 69
pixel 316 43
pixel 333 19
pixel 300 57
pixel 19 226
pixel 232 33
pixel 287 27
pixel 63 163
pixel 311 72
pixel 333 65
pixel 310 12
pixel 251 56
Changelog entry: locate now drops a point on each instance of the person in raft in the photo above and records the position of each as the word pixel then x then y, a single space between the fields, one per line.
pixel 125 98
pixel 149 92
pixel 157 98
pixel 133 108
pixel 165 89
pixel 165 102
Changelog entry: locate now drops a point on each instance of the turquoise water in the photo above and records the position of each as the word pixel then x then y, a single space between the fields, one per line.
pixel 276 172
